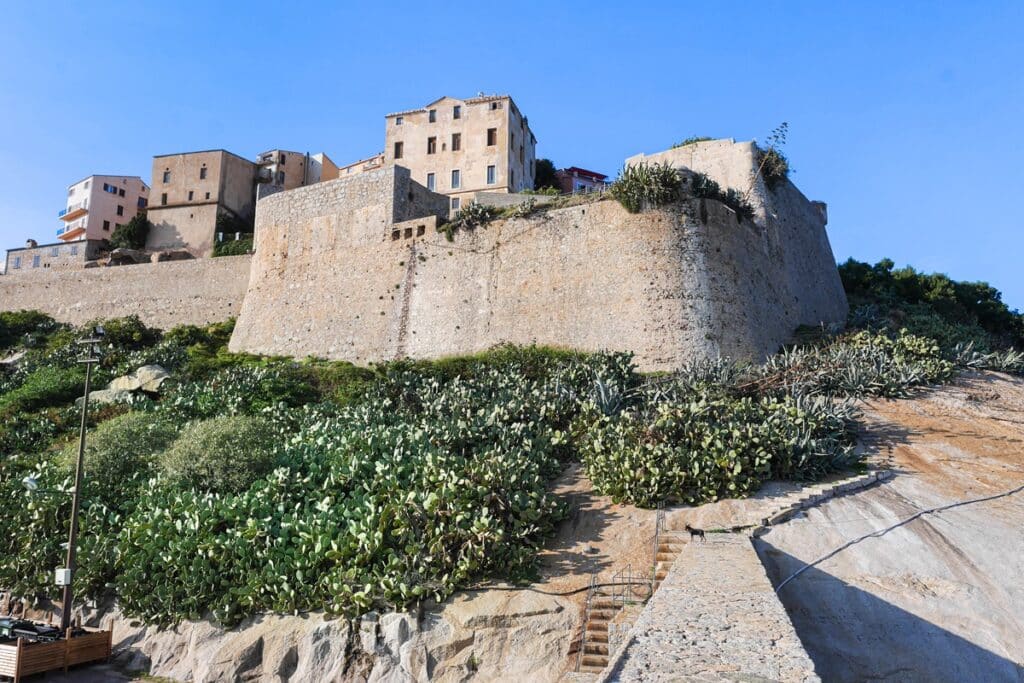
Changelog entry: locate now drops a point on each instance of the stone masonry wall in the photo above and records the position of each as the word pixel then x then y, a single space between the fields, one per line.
pixel 670 285
pixel 161 294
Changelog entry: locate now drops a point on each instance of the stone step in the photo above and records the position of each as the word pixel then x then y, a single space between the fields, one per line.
pixel 604 603
pixel 671 547
pixel 666 557
pixel 596 649
pixel 602 614
pixel 597 637
pixel 596 626
pixel 586 669
pixel 594 660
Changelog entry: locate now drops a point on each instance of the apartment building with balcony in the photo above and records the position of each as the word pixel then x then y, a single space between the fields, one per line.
pixel 288 170
pixel 98 204
pixel 459 147
pixel 192 191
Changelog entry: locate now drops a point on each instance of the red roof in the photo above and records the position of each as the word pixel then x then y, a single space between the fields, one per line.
pixel 584 172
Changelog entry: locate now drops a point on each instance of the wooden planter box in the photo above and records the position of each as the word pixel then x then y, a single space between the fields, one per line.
pixel 26 657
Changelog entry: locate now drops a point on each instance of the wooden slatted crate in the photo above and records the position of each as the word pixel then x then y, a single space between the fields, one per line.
pixel 24 658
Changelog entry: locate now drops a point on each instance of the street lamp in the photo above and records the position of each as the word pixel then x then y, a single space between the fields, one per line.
pixel 64 576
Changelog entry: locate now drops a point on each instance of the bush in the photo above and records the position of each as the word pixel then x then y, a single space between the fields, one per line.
pixel 131 235
pixel 647 186
pixel 48 386
pixel 25 327
pixel 708 447
pixel 774 167
pixel 702 186
pixel 121 453
pixel 221 455
pixel 238 247
pixel 123 334
pixel 691 141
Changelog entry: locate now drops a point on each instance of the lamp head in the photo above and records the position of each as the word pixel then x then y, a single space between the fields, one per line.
pixel 99 331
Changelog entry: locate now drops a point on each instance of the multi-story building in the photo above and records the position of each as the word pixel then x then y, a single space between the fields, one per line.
pixel 193 192
pixel 361 166
pixel 575 180
pixel 34 257
pixel 289 170
pixel 461 147
pixel 97 205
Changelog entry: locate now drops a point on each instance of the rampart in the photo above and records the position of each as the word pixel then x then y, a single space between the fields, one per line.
pixel 332 277
pixel 161 294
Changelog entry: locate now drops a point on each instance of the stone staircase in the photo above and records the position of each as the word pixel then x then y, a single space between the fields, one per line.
pixel 670 544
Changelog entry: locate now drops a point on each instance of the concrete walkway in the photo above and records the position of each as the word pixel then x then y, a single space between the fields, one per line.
pixel 714 618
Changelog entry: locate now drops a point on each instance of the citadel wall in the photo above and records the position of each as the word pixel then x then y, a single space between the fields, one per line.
pixel 329 280
pixel 162 294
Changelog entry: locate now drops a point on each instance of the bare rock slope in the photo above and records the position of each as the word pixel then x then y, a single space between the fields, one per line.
pixel 936 598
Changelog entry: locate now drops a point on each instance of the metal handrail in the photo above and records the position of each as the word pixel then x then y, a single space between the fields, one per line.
pixel 586 621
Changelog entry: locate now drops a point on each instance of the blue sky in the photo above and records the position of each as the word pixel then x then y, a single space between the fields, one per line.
pixel 905 117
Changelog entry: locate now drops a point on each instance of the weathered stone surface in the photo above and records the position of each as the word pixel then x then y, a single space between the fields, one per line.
pixel 715 617
pixel 106 396
pixel 163 295
pixel 146 378
pixel 331 279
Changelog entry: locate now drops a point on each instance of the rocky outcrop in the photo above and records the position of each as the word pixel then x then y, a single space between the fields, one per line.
pixel 148 378
pixel 492 635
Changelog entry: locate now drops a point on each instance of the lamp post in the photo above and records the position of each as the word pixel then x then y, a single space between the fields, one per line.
pixel 66 575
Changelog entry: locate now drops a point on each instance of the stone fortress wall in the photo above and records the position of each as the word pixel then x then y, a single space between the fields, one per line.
pixel 162 294
pixel 355 269
pixel 332 277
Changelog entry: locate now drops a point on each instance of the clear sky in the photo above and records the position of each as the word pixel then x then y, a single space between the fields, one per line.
pixel 905 117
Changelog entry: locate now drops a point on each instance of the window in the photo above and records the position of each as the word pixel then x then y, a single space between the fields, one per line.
pixel 55 251
pixel 430 182
pixel 280 177
pixel 455 203
pixel 398 150
pixel 35 261
pixel 431 145
pixel 457 112
pixel 456 142
pixel 520 153
pixel 17 262
pixel 189 196
pixel 120 209
pixel 512 139
pixel 74 250
pixel 284 158
pixel 202 173
pixel 511 177
pixel 107 187
pixel 163 199
pixel 167 176
pixel 492 136
pixel 456 179
pixel 207 195
pixel 106 225
pixel 120 193
pixel 491 173
pixel 495 105
pixel 398 120
pixel 86 186
pixel 142 203
pixel 432 115
pixel 117 226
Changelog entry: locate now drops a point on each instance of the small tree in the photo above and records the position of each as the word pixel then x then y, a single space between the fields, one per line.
pixel 544 175
pixel 131 235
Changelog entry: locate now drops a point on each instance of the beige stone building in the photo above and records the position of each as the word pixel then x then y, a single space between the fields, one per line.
pixel 289 170
pixel 461 147
pixel 362 166
pixel 191 190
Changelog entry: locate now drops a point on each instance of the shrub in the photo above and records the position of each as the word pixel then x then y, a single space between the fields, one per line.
pixel 48 386
pixel 223 454
pixel 25 327
pixel 123 334
pixel 707 447
pixel 242 389
pixel 774 167
pixel 131 235
pixel 238 247
pixel 544 177
pixel 121 453
pixel 704 187
pixel 690 141
pixel 646 186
